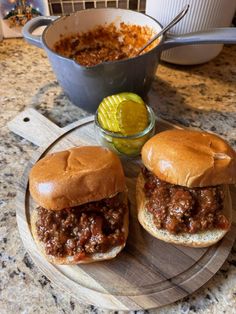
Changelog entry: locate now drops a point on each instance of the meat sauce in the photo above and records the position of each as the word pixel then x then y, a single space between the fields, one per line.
pixel 104 43
pixel 181 209
pixel 83 230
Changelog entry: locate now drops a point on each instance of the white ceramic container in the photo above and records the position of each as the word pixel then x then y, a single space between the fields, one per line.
pixel 202 15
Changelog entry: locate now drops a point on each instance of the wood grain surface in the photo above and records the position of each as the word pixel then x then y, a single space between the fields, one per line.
pixel 148 273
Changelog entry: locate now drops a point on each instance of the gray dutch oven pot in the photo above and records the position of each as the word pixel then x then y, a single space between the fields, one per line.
pixel 87 86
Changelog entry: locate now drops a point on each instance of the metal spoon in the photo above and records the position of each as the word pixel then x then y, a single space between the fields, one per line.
pixel 165 29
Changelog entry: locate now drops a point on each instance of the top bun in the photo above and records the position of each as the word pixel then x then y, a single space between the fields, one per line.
pixel 76 176
pixel 190 158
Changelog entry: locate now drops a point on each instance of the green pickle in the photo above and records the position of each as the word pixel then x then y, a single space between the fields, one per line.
pixel 125 114
pixel 108 108
pixel 130 147
pixel 132 117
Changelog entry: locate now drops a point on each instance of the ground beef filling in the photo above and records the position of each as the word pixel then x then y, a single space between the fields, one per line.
pixel 104 43
pixel 83 230
pixel 181 209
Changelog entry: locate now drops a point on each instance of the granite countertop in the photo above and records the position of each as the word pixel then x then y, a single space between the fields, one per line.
pixel 201 96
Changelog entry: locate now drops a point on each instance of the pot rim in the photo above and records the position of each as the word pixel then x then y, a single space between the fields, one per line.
pixel 105 63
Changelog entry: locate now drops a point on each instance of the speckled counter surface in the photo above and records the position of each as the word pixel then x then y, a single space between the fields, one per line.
pixel 201 96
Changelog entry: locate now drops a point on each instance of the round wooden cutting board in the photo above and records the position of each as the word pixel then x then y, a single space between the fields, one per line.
pixel 148 273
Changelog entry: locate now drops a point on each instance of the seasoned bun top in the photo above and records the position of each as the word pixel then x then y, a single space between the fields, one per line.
pixel 190 158
pixel 76 176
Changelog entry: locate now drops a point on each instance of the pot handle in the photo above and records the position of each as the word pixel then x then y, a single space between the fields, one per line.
pixel 36 22
pixel 225 35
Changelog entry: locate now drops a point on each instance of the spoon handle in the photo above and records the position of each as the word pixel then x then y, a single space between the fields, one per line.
pixel 166 28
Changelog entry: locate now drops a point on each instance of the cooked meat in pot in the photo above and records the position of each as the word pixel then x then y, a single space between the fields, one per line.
pixel 105 43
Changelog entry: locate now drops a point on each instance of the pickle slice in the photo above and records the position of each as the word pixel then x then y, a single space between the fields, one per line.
pixel 130 147
pixel 132 117
pixel 130 96
pixel 108 108
pixel 107 114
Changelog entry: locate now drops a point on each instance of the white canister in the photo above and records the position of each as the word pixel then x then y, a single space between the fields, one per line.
pixel 202 14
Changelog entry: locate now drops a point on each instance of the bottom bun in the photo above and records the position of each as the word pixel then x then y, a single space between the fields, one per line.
pixel 199 239
pixel 70 260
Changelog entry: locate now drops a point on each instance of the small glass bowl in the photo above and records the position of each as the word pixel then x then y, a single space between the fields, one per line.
pixel 126 146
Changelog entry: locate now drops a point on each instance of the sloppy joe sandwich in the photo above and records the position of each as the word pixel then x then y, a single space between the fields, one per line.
pixel 82 213
pixel 182 191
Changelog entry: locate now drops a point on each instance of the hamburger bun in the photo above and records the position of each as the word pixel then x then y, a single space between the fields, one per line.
pixel 76 176
pixel 70 260
pixel 200 239
pixel 190 158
